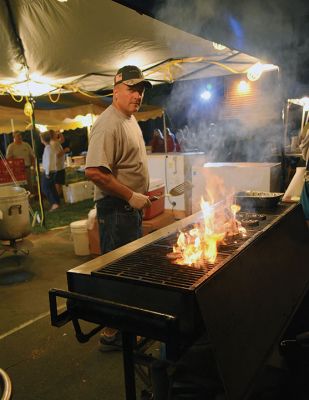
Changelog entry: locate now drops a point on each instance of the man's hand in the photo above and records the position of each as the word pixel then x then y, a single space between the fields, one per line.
pixel 139 201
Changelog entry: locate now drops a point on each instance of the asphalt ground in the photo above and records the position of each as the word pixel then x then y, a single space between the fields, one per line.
pixel 42 361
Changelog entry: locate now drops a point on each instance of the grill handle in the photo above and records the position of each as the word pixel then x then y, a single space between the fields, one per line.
pixel 113 314
pixel 105 311
pixel 63 318
pixel 59 320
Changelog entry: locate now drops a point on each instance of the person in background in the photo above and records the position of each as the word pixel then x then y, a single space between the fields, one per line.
pixel 21 149
pixel 116 163
pixel 172 143
pixel 56 142
pixel 157 142
pixel 49 171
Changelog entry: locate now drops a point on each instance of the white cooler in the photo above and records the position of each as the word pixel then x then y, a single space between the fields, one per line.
pixel 233 177
pixel 78 191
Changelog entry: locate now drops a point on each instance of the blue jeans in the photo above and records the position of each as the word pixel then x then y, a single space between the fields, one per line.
pixel 49 188
pixel 119 223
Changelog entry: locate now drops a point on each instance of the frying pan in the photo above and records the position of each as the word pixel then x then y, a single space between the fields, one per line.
pixel 258 199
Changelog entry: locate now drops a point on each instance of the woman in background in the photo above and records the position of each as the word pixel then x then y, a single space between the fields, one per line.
pixel 56 142
pixel 49 171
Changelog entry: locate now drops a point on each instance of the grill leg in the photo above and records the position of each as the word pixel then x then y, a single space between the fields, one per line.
pixel 128 341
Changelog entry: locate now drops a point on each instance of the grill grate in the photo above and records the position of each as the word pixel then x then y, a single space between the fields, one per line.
pixel 150 264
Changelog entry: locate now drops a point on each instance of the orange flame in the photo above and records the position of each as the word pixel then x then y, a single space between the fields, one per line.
pixel 200 244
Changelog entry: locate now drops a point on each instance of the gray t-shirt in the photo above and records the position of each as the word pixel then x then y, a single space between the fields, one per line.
pixel 116 143
pixel 22 150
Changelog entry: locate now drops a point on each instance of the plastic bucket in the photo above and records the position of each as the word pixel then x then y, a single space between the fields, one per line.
pixel 79 233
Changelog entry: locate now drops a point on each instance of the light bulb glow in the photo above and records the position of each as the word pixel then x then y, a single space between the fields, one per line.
pixel 41 128
pixel 85 120
pixel 218 46
pixel 304 101
pixel 33 88
pixel 254 73
pixel 206 95
pixel 243 87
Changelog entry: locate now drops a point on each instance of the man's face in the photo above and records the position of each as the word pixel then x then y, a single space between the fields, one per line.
pixel 17 138
pixel 128 99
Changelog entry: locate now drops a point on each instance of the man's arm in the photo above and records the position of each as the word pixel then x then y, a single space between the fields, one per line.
pixel 106 181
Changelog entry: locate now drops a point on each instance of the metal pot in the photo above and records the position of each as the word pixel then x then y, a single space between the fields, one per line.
pixel 14 213
pixel 258 200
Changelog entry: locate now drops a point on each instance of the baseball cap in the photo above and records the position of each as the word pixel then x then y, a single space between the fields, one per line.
pixel 130 75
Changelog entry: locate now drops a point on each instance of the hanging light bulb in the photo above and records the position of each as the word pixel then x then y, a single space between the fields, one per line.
pixel 28 110
pixel 218 46
pixel 254 73
pixel 41 128
pixel 243 87
pixel 304 101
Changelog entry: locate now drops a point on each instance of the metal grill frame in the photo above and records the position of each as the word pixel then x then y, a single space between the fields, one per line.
pixel 149 265
pixel 156 298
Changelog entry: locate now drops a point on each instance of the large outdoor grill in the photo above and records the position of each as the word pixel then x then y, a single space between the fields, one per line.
pixel 244 301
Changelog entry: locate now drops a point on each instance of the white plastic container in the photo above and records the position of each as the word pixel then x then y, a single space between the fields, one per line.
pixel 78 191
pixel 295 187
pixel 79 231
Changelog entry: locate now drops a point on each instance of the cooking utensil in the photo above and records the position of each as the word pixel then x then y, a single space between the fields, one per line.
pixel 175 191
pixel 258 199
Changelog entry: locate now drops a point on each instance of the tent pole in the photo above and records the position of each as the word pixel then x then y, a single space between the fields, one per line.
pixel 302 122
pixel 283 146
pixel 286 123
pixel 164 132
pixel 37 165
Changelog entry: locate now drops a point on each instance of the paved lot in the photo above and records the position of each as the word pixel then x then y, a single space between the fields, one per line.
pixel 45 362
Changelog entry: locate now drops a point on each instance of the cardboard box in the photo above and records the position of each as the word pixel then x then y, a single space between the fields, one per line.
pixel 94 239
pixel 156 188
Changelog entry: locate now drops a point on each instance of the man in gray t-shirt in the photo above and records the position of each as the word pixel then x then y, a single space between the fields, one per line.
pixel 21 149
pixel 117 164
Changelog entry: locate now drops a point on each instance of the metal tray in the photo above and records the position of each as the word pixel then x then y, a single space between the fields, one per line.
pixel 257 199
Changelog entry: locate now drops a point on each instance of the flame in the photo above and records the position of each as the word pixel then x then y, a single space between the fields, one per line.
pixel 200 244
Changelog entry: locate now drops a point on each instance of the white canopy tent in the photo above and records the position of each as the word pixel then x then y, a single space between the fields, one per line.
pixel 64 118
pixel 52 47
pixel 80 44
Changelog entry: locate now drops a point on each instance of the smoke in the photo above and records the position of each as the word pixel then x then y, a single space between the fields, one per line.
pixel 188 16
pixel 271 31
pixel 250 132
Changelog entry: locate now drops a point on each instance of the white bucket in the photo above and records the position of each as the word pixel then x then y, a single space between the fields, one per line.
pixel 80 237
